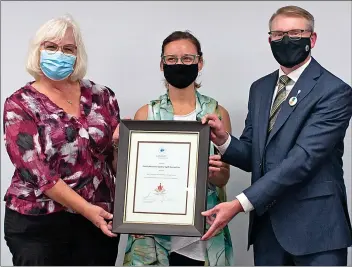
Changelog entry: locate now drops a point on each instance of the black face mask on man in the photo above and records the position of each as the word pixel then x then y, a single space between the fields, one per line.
pixel 180 75
pixel 289 53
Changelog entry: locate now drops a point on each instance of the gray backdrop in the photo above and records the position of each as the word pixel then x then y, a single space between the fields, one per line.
pixel 123 41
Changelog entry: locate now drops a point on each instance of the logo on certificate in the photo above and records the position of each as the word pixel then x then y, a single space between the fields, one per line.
pixel 157 195
pixel 161 153
pixel 159 190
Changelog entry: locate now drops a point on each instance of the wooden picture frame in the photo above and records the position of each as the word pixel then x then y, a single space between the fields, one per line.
pixel 173 158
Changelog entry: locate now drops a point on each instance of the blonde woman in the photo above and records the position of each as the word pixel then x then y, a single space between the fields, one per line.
pixel 59 136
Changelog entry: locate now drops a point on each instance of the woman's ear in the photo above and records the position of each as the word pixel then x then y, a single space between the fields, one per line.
pixel 200 64
pixel 161 65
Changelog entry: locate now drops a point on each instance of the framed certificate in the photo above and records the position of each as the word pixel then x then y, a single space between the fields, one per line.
pixel 161 181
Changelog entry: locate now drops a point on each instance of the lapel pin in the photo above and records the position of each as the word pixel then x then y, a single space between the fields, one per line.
pixel 293 100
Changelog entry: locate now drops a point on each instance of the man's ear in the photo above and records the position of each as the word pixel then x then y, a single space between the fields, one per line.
pixel 313 39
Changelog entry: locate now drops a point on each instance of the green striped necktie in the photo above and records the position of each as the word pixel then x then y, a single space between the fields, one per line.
pixel 279 99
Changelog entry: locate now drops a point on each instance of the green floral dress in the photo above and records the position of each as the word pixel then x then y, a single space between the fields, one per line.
pixel 154 249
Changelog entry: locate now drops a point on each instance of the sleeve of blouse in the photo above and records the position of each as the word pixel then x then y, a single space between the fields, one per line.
pixel 25 151
pixel 114 108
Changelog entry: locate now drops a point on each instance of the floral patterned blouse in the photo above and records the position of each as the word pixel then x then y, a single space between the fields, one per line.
pixel 45 144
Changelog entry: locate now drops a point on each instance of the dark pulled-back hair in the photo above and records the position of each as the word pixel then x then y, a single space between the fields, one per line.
pixel 183 35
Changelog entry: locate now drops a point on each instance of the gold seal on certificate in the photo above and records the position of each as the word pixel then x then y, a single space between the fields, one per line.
pixel 161 181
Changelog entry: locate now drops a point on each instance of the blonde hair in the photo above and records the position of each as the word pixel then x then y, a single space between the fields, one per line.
pixel 54 30
pixel 294 11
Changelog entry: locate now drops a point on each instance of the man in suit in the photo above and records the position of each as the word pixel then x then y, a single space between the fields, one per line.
pixel 293 145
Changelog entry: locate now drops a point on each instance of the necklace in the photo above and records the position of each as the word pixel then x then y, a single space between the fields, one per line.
pixel 69 101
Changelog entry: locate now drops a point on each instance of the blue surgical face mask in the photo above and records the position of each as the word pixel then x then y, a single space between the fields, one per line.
pixel 57 66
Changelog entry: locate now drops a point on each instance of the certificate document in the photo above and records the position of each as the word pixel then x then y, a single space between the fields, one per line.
pixel 161 180
pixel 162 177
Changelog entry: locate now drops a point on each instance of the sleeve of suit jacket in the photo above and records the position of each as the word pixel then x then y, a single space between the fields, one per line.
pixel 325 127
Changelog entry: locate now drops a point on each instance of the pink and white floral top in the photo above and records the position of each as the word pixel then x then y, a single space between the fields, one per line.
pixel 45 144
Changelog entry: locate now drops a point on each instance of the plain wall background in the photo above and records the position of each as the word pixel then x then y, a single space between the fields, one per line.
pixel 123 41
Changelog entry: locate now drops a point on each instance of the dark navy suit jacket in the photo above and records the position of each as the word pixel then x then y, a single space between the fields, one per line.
pixel 297 174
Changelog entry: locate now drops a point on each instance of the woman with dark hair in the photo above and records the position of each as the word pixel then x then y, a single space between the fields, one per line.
pixel 181 61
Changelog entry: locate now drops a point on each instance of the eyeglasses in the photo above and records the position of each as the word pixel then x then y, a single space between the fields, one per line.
pixel 185 59
pixel 52 48
pixel 276 36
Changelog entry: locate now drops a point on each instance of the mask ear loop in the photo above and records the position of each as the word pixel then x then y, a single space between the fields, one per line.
pixel 310 38
pixel 200 73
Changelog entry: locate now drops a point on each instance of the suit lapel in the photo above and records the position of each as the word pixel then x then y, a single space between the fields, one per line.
pixel 264 109
pixel 305 84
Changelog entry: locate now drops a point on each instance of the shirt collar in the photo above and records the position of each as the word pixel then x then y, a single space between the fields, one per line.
pixel 294 75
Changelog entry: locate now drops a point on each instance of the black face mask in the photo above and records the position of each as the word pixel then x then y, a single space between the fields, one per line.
pixel 179 75
pixel 289 53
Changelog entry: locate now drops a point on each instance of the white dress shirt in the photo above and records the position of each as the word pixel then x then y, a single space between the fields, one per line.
pixel 294 75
